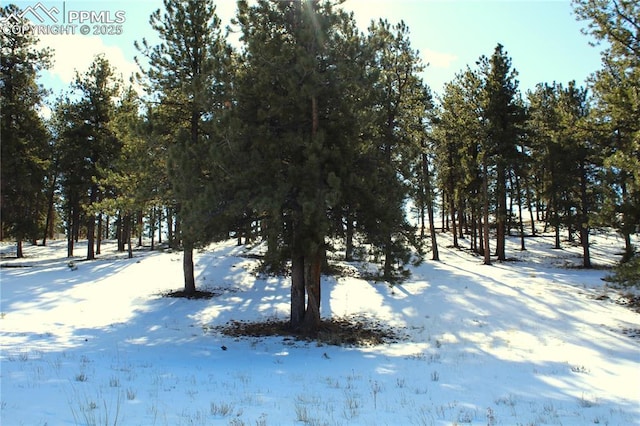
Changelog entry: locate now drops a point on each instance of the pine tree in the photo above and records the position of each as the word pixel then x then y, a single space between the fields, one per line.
pixel 25 140
pixel 73 173
pixel 187 74
pixel 87 147
pixel 617 109
pixel 460 133
pixel 296 178
pixel 99 87
pixel 423 181
pixel 503 115
pixel 399 104
pixel 562 144
pixel 128 184
pixel 455 132
pixel 580 160
pixel 543 128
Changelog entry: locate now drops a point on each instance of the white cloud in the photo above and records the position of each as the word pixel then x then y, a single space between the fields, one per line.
pixel 76 53
pixel 45 111
pixel 438 59
pixel 395 11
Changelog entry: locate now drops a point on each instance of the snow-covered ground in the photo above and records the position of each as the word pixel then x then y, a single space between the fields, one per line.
pixel 529 342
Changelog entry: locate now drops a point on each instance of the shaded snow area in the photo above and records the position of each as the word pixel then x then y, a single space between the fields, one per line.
pixel 533 341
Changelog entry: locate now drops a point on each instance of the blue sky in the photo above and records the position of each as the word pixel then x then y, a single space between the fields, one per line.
pixel 542 37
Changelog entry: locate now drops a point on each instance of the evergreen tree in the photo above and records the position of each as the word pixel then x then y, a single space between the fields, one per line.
pixel 617 109
pixel 129 183
pixel 462 162
pixel 74 174
pixel 289 137
pixel 543 127
pixel 562 142
pixel 581 162
pixel 87 147
pixel 503 116
pixel 354 123
pixel 25 140
pixel 478 132
pixel 423 181
pixel 458 134
pixel 399 105
pixel 187 74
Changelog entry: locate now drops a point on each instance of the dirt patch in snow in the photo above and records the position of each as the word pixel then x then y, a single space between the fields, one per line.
pixel 351 331
pixel 631 301
pixel 205 293
pixel 198 294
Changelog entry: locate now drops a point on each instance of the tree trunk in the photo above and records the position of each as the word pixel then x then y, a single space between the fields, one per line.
pixel 485 190
pixel 187 267
pixel 501 214
pixel 480 234
pixel 313 261
pixel 461 220
pixel 48 226
pixel 509 215
pixel 51 230
pixel 473 243
pixel 169 215
pixel 348 252
pixel 129 248
pixel 584 219
pixel 443 211
pixel 120 232
pixel 152 228
pixel 297 290
pixel 423 220
pixel 140 225
pixel 527 194
pixel 91 225
pixel 584 241
pixel 432 232
pixel 569 226
pixel 76 223
pixel 312 278
pixel 454 226
pixel 70 233
pixel 533 222
pixel 556 218
pixel 159 225
pixel 520 221
pixel 428 190
pixel 99 234
pixel 19 252
pixel 629 250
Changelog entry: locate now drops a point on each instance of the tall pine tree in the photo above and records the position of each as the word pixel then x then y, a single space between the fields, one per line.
pixel 187 73
pixel 293 145
pixel 617 107
pixel 503 115
pixel 25 140
pixel 399 105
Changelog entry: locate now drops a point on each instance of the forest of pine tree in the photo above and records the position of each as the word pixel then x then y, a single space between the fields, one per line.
pixel 312 137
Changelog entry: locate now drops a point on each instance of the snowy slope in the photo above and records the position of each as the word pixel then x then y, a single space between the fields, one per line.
pixel 528 342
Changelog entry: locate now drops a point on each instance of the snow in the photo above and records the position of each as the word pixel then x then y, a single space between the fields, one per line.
pixel 525 342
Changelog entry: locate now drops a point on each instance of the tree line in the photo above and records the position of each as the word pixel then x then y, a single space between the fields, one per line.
pixel 313 133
